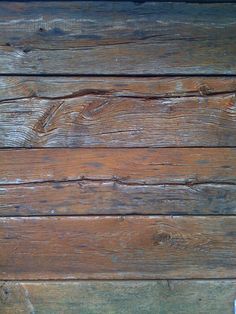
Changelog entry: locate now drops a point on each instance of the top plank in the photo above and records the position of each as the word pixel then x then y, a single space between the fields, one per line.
pixel 119 38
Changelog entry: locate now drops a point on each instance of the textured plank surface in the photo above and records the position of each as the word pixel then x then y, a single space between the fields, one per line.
pixel 46 87
pixel 117 247
pixel 128 297
pixel 117 112
pixel 117 38
pixel 110 198
pixel 144 166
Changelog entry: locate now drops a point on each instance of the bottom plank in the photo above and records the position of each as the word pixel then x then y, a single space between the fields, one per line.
pixel 118 297
pixel 133 247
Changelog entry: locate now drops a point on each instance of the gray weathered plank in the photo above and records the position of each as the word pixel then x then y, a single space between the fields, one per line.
pixel 117 112
pixel 56 87
pixel 117 38
pixel 112 198
pixel 117 297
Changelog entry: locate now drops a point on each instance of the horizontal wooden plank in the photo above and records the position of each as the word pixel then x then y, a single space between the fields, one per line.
pixel 112 198
pixel 133 247
pixel 117 38
pixel 60 87
pixel 130 166
pixel 120 297
pixel 117 112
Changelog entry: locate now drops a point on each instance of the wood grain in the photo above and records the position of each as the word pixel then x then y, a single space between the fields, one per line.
pixel 132 247
pixel 120 188
pixel 56 87
pixel 112 198
pixel 117 38
pixel 130 166
pixel 127 297
pixel 117 112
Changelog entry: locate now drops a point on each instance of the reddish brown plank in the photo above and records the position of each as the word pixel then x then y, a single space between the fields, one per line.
pixel 144 166
pixel 117 112
pixel 117 247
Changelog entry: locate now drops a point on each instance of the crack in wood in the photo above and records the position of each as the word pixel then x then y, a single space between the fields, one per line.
pixel 87 92
pixel 119 181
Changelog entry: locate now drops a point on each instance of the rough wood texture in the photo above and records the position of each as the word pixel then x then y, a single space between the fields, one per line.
pixel 111 198
pixel 130 247
pixel 117 112
pixel 117 38
pixel 118 181
pixel 112 46
pixel 127 297
pixel 130 166
pixel 17 87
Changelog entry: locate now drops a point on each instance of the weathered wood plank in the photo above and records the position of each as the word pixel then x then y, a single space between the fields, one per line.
pixel 127 297
pixel 117 38
pixel 14 87
pixel 118 181
pixel 117 112
pixel 112 198
pixel 130 166
pixel 132 247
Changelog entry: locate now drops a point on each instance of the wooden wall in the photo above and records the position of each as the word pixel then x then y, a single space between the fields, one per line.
pixel 117 157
